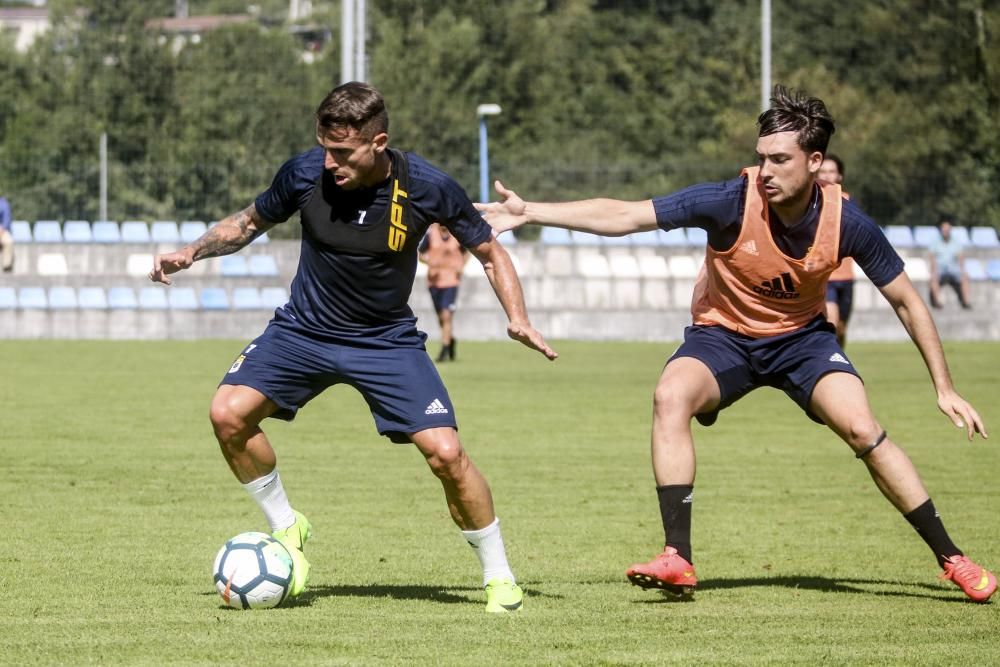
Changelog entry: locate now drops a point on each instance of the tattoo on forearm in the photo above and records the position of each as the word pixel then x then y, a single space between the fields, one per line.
pixel 228 236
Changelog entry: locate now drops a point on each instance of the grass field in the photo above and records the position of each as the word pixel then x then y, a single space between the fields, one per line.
pixel 115 500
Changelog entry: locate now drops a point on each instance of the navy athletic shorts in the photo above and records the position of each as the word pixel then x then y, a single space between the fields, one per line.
pixel 401 385
pixel 841 292
pixel 444 298
pixel 793 362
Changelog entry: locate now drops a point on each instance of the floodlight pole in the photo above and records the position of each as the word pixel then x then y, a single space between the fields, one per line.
pixel 482 111
pixel 765 55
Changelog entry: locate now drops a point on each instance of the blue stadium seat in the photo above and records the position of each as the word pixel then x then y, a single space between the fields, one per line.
pixel 961 234
pixel 47 231
pixel 234 266
pixel 106 231
pixel 164 231
pixel 925 235
pixel 182 298
pixel 62 298
pixel 900 236
pixel 555 236
pixel 246 298
pixel 8 298
pixel 261 240
pixel 675 237
pixel 191 230
pixel 263 265
pixel 32 297
pixel 696 237
pixel 21 231
pixel 213 298
pixel 976 269
pixel 646 239
pixel 273 297
pixel 122 298
pixel 77 231
pixel 586 239
pixel 92 298
pixel 984 237
pixel 993 269
pixel 625 240
pixel 153 298
pixel 135 231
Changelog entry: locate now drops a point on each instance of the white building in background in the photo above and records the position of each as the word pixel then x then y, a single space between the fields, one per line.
pixel 24 25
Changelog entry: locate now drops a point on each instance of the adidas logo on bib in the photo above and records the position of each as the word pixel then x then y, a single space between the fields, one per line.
pixel 436 408
pixel 750 247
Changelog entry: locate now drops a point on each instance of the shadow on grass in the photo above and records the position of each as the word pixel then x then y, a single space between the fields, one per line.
pixel 827 585
pixel 442 594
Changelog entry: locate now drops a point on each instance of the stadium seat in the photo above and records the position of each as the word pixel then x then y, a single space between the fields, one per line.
pixel 612 241
pixel 646 239
pixel 122 298
pixel 586 239
pixel 52 264
pixel 32 297
pixel 153 298
pixel 246 298
pixel 106 231
pixel 653 267
pixel 263 239
pixel 593 265
pixel 961 234
pixel 135 231
pixel 682 266
pixel 984 237
pixel 164 231
pixel 47 231
pixel 555 236
pixel 917 269
pixel 77 231
pixel 213 298
pixel 182 298
pixel 925 235
pixel 507 239
pixel 234 266
pixel 900 236
pixel 696 237
pixel 273 297
pixel 976 269
pixel 92 298
pixel 262 265
pixel 62 298
pixel 558 261
pixel 624 266
pixel 139 264
pixel 675 237
pixel 993 269
pixel 8 298
pixel 191 230
pixel 21 231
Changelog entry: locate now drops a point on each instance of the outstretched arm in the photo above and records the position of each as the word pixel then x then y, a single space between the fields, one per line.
pixel 607 217
pixel 231 234
pixel 912 312
pixel 502 276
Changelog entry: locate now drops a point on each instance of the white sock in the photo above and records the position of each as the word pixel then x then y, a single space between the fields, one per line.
pixel 488 544
pixel 270 495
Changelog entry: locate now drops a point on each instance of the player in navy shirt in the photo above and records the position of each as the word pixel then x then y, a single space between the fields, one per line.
pixel 363 208
pixel 748 332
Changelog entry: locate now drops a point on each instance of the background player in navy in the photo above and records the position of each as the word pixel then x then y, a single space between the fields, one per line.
pixel 363 209
pixel 840 288
pixel 750 332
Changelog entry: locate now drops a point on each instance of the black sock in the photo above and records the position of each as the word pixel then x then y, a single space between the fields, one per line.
pixel 929 526
pixel 675 510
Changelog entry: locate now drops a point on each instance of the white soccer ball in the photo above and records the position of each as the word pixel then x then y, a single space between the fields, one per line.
pixel 253 571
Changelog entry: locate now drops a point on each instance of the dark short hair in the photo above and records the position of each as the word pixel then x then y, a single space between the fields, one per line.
pixel 794 111
pixel 356 105
pixel 837 161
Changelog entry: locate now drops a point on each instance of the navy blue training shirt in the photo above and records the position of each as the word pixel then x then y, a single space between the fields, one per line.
pixel 718 209
pixel 359 249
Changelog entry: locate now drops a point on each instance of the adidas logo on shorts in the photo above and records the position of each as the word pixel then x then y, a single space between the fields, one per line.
pixel 436 408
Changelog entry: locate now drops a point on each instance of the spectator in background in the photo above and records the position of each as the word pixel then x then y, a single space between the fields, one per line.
pixel 948 267
pixel 445 258
pixel 6 239
pixel 840 288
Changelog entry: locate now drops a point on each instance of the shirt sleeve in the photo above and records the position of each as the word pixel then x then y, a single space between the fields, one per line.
pixel 291 188
pixel 863 240
pixel 5 214
pixel 711 206
pixel 447 203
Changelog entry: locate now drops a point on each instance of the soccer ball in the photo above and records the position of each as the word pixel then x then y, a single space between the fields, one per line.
pixel 253 571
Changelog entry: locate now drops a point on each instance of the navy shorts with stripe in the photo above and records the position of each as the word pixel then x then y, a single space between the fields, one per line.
pixel 793 362
pixel 444 298
pixel 841 292
pixel 401 385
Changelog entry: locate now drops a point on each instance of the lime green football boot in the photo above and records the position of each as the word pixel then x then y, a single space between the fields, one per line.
pixel 294 539
pixel 503 595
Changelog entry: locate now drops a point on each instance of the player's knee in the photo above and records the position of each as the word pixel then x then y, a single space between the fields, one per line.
pixel 226 421
pixel 670 401
pixel 862 432
pixel 447 459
